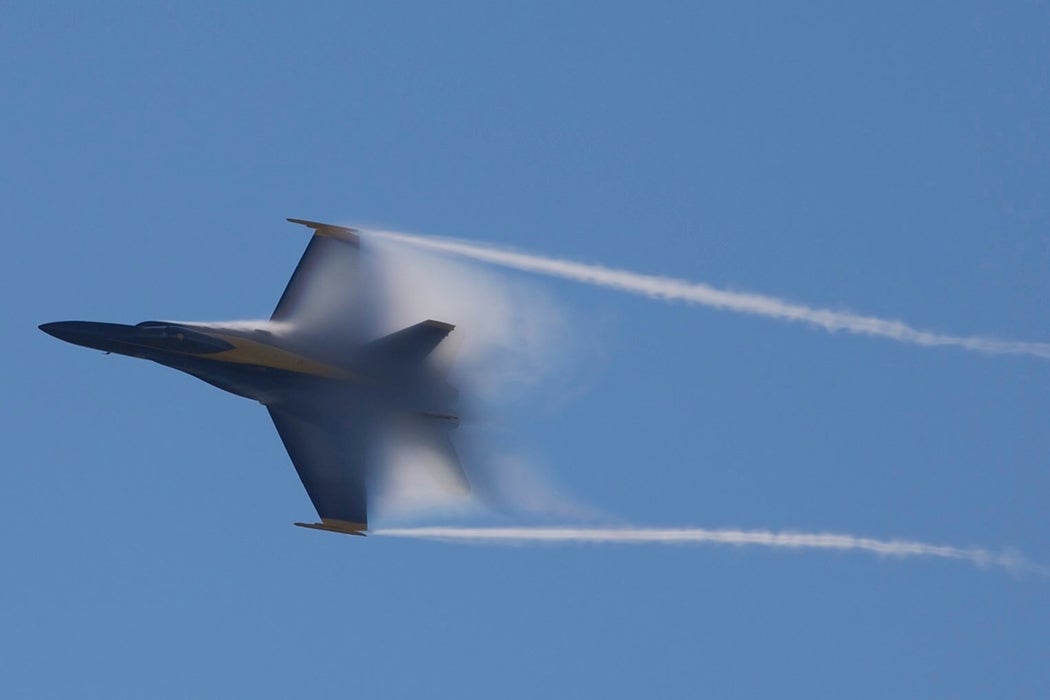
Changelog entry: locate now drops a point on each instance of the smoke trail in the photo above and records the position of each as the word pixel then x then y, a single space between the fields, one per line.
pixel 764 538
pixel 671 289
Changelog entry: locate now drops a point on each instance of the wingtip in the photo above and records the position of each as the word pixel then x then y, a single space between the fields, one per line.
pixel 340 526
pixel 344 233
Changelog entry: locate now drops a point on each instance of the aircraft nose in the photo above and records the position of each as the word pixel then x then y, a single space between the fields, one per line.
pixel 63 330
pixel 101 336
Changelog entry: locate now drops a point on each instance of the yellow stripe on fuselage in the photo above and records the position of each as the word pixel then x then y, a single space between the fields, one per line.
pixel 252 352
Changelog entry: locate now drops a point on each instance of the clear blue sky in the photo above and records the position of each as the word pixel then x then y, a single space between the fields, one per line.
pixel 889 160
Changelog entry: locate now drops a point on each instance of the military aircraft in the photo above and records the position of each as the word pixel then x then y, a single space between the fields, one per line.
pixel 331 394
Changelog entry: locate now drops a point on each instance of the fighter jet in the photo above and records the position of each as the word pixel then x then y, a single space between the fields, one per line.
pixel 332 394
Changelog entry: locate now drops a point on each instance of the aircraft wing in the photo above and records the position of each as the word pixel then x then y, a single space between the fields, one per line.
pixel 332 457
pixel 323 297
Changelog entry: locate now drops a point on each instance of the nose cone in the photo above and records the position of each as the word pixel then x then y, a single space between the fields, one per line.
pixel 109 337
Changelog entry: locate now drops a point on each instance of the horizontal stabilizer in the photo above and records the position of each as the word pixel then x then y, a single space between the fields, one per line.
pixel 408 346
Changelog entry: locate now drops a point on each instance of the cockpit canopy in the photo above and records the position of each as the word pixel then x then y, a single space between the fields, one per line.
pixel 176 338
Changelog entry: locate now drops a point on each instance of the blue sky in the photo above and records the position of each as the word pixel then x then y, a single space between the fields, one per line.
pixel 892 161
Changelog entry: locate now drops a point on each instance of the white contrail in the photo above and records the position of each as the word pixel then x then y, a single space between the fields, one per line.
pixel 763 538
pixel 672 289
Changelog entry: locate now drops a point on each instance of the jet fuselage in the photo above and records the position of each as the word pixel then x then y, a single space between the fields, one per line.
pixel 261 364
